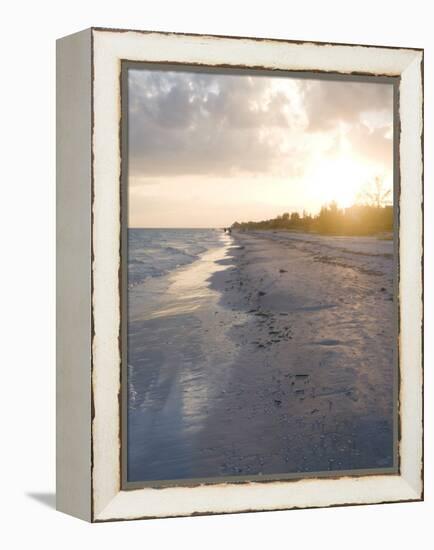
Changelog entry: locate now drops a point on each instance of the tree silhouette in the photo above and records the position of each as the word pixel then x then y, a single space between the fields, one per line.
pixel 376 194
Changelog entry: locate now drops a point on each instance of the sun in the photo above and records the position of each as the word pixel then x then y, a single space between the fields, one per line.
pixel 339 179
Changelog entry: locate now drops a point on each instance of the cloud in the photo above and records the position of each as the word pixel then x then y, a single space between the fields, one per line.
pixel 375 145
pixel 196 123
pixel 328 103
pixel 359 114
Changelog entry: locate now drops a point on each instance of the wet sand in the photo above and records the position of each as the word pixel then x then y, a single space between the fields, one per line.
pixel 271 355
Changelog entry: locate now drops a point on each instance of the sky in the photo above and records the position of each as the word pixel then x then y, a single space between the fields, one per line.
pixel 209 149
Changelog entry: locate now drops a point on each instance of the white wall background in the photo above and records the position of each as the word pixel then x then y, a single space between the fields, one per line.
pixel 27 219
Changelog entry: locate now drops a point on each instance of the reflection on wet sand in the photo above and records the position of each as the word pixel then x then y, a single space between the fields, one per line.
pixel 179 352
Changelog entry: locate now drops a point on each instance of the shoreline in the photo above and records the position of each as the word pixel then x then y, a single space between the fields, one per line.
pixel 287 369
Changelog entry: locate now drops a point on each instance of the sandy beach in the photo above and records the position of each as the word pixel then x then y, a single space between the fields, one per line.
pixel 270 354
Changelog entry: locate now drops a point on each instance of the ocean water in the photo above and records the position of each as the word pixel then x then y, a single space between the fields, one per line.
pixel 177 346
pixel 156 252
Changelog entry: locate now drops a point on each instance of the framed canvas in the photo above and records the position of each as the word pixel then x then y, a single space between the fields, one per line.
pixel 239 274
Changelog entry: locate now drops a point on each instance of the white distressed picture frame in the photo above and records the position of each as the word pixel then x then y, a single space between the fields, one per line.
pixel 88 270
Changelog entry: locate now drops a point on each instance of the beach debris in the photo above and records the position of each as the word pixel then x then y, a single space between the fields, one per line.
pixel 283 271
pixel 278 402
pixel 327 342
pixel 261 293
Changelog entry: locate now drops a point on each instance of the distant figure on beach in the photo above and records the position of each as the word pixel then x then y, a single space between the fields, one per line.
pixel 227 230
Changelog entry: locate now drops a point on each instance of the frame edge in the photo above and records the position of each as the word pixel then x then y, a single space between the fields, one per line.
pixel 73 275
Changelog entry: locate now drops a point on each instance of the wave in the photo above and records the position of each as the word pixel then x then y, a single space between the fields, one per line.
pixel 154 253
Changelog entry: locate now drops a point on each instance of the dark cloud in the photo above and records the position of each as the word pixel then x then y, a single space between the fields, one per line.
pixel 192 123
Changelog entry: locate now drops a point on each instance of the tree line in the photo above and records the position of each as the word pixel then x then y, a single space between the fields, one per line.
pixel 368 218
pixel 331 220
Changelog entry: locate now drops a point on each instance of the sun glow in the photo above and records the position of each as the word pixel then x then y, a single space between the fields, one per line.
pixel 340 179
